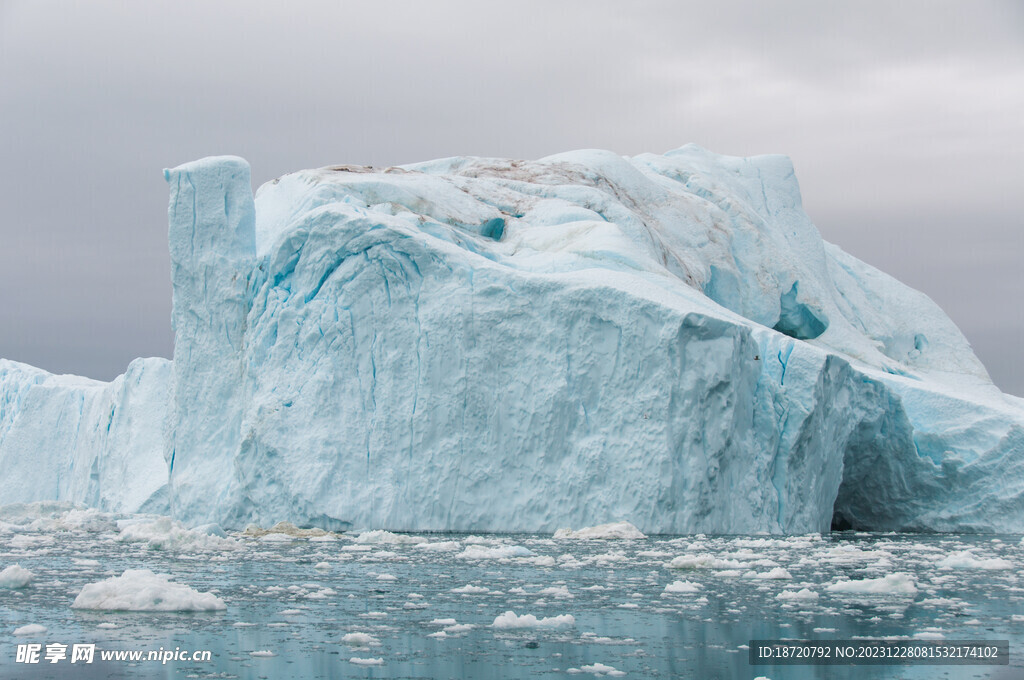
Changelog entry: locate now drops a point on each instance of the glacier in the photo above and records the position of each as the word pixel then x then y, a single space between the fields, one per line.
pixel 480 344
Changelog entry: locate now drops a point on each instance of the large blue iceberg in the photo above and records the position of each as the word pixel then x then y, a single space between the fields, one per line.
pixel 477 344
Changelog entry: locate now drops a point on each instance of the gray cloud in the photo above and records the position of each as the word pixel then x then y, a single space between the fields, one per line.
pixel 903 123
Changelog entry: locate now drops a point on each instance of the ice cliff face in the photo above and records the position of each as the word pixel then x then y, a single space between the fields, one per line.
pixel 482 344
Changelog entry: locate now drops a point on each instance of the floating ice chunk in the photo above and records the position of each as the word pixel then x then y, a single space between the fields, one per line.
pixel 510 621
pixel 459 628
pixel 15 576
pixel 142 590
pixel 893 584
pixel 684 587
pixel 598 669
pixel 165 533
pixel 366 662
pixel 478 552
pixel 614 530
pixel 471 590
pixel 442 622
pixel 440 546
pixel 556 591
pixel 379 537
pixel 965 559
pixel 286 529
pixel 85 562
pixel 30 629
pixel 55 516
pixel 776 573
pixel 387 577
pixel 262 653
pixel 276 538
pixel 322 565
pixel 359 639
pixel 29 542
pixel 704 561
pixel 804 594
pixel 594 638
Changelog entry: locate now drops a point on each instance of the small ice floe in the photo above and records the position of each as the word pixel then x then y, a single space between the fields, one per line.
pixel 442 622
pixel 29 542
pixel 276 538
pixel 539 560
pixel 595 639
pixel 357 548
pixel 84 562
pixel 30 629
pixel 322 565
pixel 366 662
pixel 380 537
pixel 359 639
pixel 899 584
pixel 824 630
pixel 471 590
pixel 142 590
pixel 510 621
pixel 106 625
pixel 929 634
pixel 682 587
pixel 556 591
pixel 262 653
pixel 965 559
pixel 321 593
pixel 1017 618
pixel 776 573
pixel 804 594
pixel 614 530
pixel 458 629
pixel 285 529
pixel 387 577
pixel 54 516
pixel 241 624
pixel 478 552
pixel 15 576
pixel 704 561
pixel 598 669
pixel 439 546
pixel 290 612
pixel 165 533
pixel 374 615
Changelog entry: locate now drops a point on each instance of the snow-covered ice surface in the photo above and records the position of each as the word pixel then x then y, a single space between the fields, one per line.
pixel 288 616
pixel 476 344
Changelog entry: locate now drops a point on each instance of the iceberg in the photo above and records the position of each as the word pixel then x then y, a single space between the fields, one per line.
pixel 479 344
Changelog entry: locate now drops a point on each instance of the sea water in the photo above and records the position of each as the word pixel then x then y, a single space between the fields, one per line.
pixel 396 606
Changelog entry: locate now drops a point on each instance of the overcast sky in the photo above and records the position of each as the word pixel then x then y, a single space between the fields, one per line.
pixel 905 122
